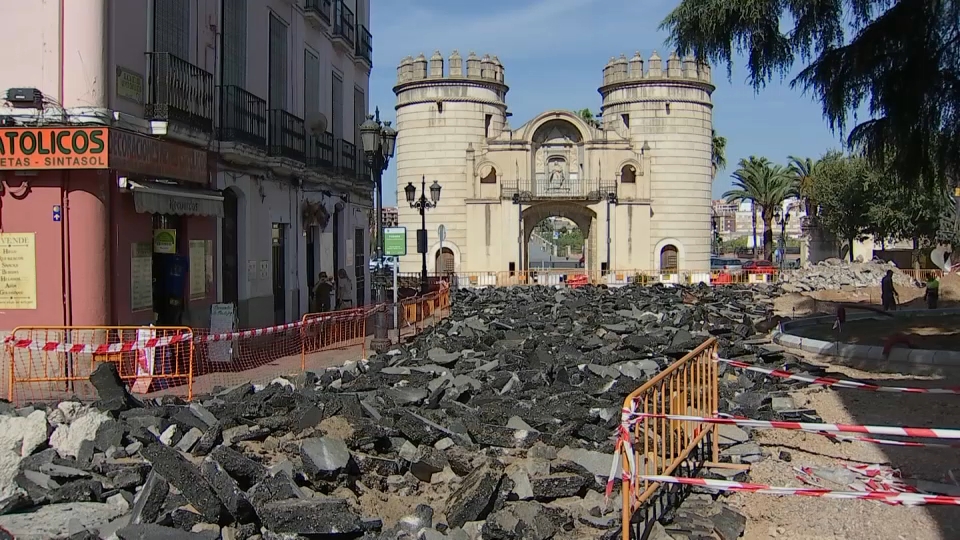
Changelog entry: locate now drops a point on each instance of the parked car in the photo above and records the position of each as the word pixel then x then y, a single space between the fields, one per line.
pixel 389 263
pixel 759 267
pixel 720 263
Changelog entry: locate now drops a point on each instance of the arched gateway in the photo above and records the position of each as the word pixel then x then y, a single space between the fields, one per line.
pixel 636 175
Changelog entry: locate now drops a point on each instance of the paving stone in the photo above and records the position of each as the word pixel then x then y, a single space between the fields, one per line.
pixel 310 517
pixel 185 476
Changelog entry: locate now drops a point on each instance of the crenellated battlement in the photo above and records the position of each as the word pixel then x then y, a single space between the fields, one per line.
pixel 621 69
pixel 485 68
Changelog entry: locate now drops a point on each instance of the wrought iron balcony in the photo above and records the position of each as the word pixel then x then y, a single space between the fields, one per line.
pixel 344 23
pixel 179 92
pixel 321 9
pixel 320 151
pixel 567 189
pixel 287 135
pixel 243 117
pixel 347 159
pixel 364 49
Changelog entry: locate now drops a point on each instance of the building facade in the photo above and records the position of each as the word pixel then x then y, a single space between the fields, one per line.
pixel 164 155
pixel 636 181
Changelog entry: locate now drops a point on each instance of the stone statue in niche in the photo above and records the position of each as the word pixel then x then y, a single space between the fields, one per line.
pixel 557 176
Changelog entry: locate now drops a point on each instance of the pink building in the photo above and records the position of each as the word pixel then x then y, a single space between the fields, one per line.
pixel 159 156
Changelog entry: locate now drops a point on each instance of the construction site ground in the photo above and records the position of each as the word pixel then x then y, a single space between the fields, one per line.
pixel 806 518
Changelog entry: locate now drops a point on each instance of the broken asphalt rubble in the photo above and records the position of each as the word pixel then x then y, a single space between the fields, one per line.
pixel 497 423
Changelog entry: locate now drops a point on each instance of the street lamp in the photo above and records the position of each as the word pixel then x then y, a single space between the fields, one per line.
pixel 782 220
pixel 379 143
pixel 611 200
pixel 422 204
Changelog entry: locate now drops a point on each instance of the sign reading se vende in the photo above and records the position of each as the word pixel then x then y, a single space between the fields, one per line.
pixel 54 148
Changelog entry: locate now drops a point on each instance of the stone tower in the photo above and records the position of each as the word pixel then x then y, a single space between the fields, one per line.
pixel 669 114
pixel 444 114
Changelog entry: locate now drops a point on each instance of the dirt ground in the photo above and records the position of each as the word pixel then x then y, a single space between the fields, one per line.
pixel 940 333
pixel 803 518
pixel 802 304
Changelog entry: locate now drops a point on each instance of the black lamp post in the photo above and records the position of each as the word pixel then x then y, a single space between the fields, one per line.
pixel 611 200
pixel 782 220
pixel 521 271
pixel 422 204
pixel 379 142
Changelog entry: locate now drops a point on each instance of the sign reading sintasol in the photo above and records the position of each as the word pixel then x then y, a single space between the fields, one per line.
pixel 18 271
pixel 54 148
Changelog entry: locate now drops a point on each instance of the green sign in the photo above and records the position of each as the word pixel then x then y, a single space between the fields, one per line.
pixel 395 241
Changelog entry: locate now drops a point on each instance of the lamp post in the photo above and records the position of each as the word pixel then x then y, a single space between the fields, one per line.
pixel 782 220
pixel 520 236
pixel 422 204
pixel 611 200
pixel 379 142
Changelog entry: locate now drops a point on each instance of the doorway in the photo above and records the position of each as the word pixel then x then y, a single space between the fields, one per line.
pixel 360 263
pixel 229 248
pixel 279 253
pixel 444 262
pixel 311 257
pixel 169 269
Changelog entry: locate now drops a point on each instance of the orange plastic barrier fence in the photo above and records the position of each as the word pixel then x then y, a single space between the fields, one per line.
pixel 55 362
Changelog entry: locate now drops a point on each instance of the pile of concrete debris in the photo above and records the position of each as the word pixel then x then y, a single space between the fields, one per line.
pixel 496 424
pixel 838 274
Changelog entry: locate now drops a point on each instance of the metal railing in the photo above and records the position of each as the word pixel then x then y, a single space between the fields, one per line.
pixel 323 8
pixel 320 151
pixel 546 189
pixel 243 117
pixel 344 22
pixel 179 92
pixel 287 135
pixel 364 44
pixel 347 159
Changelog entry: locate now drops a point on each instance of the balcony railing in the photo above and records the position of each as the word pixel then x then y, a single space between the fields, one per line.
pixel 320 151
pixel 343 22
pixel 179 92
pixel 243 117
pixel 569 189
pixel 323 8
pixel 348 158
pixel 364 47
pixel 287 136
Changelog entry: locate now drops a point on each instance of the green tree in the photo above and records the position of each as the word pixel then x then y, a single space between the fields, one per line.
pixel 803 171
pixel 766 186
pixel 719 158
pixel 900 59
pixel 587 116
pixel 842 191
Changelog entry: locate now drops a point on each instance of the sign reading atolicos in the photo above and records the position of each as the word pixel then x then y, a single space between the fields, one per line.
pixel 54 148
pixel 395 241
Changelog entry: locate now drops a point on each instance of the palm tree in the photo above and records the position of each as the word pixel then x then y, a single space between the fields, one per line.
pixel 804 171
pixel 766 186
pixel 719 158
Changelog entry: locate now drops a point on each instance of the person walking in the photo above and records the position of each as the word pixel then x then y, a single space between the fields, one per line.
pixel 888 294
pixel 932 295
pixel 321 292
pixel 344 290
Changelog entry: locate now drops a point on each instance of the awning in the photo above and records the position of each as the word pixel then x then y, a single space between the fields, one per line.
pixel 155 198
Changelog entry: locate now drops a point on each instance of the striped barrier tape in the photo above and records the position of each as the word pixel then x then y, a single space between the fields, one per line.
pixel 107 348
pixel 884 496
pixel 897 431
pixel 257 332
pixel 840 383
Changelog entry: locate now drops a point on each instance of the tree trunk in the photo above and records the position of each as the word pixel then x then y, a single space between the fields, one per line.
pixel 915 255
pixel 767 237
pixel 850 242
pixel 753 211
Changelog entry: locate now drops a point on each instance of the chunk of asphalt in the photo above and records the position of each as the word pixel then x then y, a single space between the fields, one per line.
pixel 473 500
pixel 324 457
pixel 310 517
pixel 158 532
pixel 279 487
pixel 112 393
pixel 185 476
pixel 244 470
pixel 226 488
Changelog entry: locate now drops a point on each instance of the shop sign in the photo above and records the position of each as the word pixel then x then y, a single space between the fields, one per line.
pixel 18 271
pixel 54 148
pixel 165 241
pixel 133 153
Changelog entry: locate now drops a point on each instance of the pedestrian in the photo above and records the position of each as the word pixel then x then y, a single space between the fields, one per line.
pixel 888 294
pixel 321 293
pixel 933 292
pixel 344 290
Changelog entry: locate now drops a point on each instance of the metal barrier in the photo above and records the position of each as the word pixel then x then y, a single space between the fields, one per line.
pixel 55 362
pixel 656 446
pixel 335 330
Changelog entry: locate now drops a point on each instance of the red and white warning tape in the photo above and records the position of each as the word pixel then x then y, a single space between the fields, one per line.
pixel 928 433
pixel 841 383
pixel 885 496
pixel 78 348
pixel 257 332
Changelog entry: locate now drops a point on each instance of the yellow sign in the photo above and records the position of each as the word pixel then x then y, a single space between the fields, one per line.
pixel 165 241
pixel 18 271
pixel 956 192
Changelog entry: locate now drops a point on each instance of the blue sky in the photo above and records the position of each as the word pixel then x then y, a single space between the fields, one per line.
pixel 553 53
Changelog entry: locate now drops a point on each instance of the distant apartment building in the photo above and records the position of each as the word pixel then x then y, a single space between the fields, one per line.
pixel 182 153
pixel 389 216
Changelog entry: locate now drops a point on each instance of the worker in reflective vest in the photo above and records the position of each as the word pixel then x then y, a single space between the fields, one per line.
pixel 933 292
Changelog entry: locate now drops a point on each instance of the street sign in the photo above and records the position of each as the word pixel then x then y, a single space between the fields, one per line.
pixel 395 241
pixel 442 233
pixel 556 235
